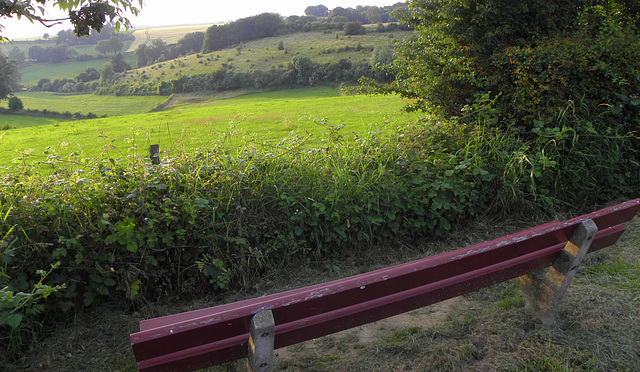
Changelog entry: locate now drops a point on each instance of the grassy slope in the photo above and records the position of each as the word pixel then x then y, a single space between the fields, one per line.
pixel 20 121
pixel 263 54
pixel 260 118
pixel 67 70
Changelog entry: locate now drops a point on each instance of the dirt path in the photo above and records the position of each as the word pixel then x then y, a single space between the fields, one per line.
pixel 381 330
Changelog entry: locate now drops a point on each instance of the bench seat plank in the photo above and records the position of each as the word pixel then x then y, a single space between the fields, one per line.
pixel 200 336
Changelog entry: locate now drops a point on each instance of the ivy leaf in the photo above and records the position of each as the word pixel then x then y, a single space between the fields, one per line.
pixel 14 320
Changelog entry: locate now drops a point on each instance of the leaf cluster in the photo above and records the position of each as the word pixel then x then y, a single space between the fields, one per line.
pixel 84 15
pixel 534 56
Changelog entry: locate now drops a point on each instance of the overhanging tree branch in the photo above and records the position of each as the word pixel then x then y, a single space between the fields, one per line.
pixel 85 15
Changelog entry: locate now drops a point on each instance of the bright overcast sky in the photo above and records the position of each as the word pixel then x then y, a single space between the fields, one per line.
pixel 180 12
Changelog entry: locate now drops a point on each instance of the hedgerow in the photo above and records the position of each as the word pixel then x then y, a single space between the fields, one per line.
pixel 211 219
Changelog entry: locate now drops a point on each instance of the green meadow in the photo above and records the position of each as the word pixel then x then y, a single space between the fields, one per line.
pixel 20 121
pixel 66 70
pixel 88 103
pixel 263 54
pixel 263 119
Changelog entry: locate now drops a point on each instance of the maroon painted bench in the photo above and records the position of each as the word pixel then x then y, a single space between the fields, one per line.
pixel 543 258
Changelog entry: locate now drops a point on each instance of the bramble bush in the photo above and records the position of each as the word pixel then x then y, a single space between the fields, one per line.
pixel 212 219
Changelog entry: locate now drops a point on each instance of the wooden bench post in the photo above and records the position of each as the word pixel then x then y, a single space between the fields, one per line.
pixel 261 340
pixel 543 290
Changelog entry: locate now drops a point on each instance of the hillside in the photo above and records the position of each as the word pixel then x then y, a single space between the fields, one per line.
pixel 264 54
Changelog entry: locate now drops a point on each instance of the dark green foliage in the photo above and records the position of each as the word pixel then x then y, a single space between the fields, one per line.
pixel 88 75
pixel 113 45
pixel 535 57
pixel 246 29
pixel 600 71
pixel 9 76
pixel 318 11
pixel 15 103
pixel 86 16
pixel 190 43
pixel 119 64
pixel 354 28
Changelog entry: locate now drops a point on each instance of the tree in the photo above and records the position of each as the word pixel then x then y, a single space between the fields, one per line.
pixel 85 15
pixel 9 76
pixel 190 43
pixel 142 55
pixel 113 45
pixel 106 74
pixel 18 55
pixel 533 56
pixel 15 104
pixel 318 11
pixel 354 28
pixel 37 53
pixel 119 64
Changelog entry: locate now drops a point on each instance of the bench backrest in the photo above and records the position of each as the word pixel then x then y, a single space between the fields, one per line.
pixel 215 335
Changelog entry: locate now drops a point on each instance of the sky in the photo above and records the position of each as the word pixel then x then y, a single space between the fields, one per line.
pixel 181 12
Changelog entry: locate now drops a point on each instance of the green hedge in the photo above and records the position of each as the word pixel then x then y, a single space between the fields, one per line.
pixel 209 220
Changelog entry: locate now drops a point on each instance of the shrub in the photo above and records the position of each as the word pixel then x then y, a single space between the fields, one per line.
pixel 15 104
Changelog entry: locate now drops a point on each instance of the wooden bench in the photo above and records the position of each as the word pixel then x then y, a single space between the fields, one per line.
pixel 543 258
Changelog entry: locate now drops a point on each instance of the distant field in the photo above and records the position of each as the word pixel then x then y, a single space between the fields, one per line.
pixel 25 44
pixel 22 121
pixel 66 70
pixel 89 103
pixel 169 35
pixel 266 118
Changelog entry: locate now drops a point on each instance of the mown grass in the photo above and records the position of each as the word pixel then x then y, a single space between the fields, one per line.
pixel 267 118
pixel 89 103
pixel 65 70
pixel 8 122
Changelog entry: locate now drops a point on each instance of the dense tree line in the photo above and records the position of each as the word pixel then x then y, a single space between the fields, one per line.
pixel 68 37
pixel 317 18
pixel 246 29
pixel 158 51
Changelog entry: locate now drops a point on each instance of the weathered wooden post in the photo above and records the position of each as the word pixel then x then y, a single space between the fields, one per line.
pixel 543 290
pixel 154 154
pixel 261 340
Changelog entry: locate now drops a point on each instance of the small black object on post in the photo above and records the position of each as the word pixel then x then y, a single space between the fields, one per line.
pixel 154 154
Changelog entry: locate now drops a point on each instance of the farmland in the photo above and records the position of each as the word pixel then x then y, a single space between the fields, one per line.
pixel 262 118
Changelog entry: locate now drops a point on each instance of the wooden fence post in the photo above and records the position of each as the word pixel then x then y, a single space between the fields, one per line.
pixel 261 340
pixel 543 290
pixel 154 154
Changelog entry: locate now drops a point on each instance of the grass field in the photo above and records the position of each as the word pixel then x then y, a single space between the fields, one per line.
pixel 263 54
pixel 23 121
pixel 67 70
pixel 89 103
pixel 265 118
pixel 169 35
